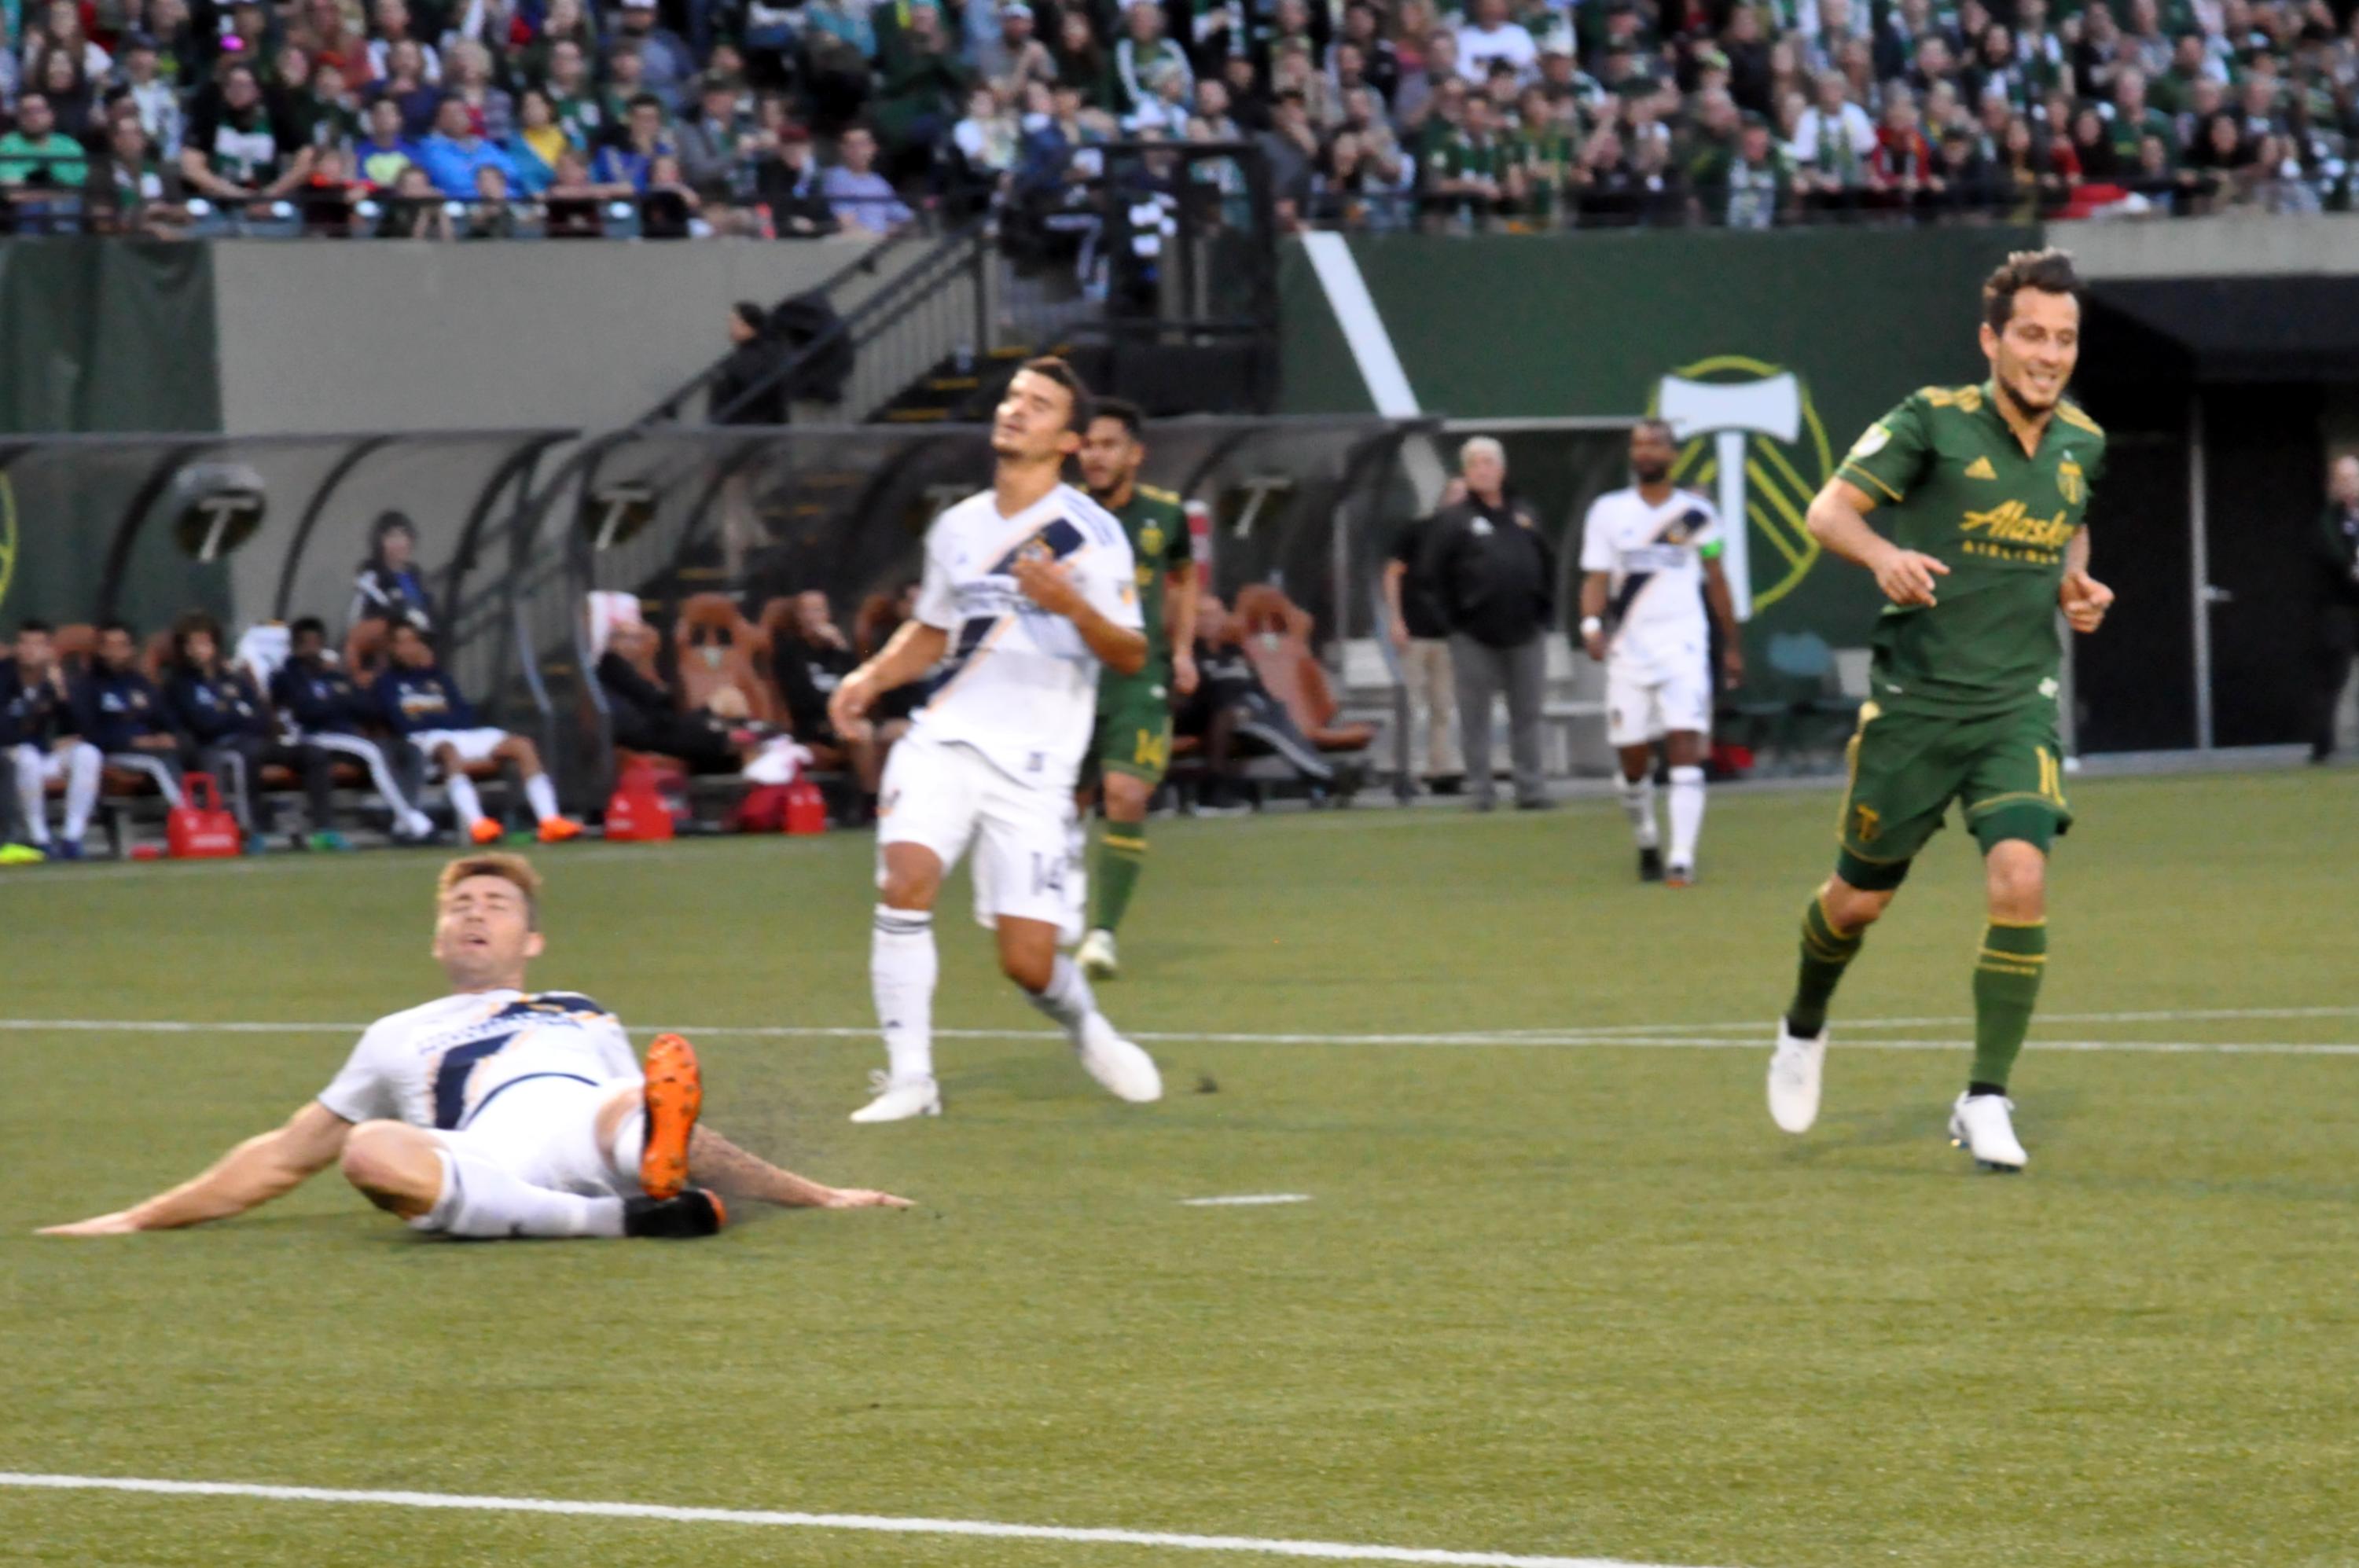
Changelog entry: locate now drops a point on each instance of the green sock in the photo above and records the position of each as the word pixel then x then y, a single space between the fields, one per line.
pixel 1122 855
pixel 1826 953
pixel 2006 986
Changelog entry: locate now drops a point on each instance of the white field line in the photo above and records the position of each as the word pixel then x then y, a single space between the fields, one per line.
pixel 1740 1036
pixel 1332 1550
pixel 1245 1201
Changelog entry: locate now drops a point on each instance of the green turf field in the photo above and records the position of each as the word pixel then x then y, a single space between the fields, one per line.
pixel 1556 1294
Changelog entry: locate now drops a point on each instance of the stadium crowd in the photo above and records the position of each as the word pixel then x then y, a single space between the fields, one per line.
pixel 483 119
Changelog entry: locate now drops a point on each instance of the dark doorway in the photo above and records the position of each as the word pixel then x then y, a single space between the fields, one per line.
pixel 2264 458
pixel 2133 681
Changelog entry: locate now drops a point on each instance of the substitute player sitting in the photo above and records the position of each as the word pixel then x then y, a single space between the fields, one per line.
pixel 1988 491
pixel 1027 591
pixel 495 1112
pixel 1132 748
pixel 422 704
pixel 1651 553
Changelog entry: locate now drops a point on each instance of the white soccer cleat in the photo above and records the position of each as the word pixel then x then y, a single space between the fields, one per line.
pixel 1098 958
pixel 1794 1073
pixel 899 1099
pixel 1122 1069
pixel 1982 1125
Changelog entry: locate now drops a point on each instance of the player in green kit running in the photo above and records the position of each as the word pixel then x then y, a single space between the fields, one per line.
pixel 1132 749
pixel 1987 487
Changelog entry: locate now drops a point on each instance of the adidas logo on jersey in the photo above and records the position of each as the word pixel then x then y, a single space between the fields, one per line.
pixel 1980 468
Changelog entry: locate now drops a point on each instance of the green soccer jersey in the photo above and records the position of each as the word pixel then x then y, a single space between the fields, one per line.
pixel 1157 525
pixel 1959 488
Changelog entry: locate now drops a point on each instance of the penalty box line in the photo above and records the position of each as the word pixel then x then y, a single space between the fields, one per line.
pixel 1332 1550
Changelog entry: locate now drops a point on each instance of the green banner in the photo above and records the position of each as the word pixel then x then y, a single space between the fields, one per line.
pixel 1771 352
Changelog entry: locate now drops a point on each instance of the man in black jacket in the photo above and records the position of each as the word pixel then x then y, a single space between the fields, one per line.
pixel 645 716
pixel 808 661
pixel 119 711
pixel 1493 575
pixel 217 707
pixel 327 715
pixel 2338 608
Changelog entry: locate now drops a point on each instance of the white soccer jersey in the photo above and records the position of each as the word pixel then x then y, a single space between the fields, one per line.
pixel 1019 685
pixel 1655 555
pixel 436 1065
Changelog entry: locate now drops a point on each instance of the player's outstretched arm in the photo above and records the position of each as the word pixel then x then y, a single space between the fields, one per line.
pixel 253 1173
pixel 1120 648
pixel 1838 520
pixel 714 1162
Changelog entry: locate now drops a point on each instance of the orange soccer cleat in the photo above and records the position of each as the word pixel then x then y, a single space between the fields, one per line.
pixel 485 830
pixel 557 829
pixel 674 1095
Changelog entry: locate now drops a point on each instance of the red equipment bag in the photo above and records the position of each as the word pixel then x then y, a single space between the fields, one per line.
pixel 201 827
pixel 637 811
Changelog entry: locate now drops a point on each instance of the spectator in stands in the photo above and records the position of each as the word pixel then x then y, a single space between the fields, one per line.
pixel 420 703
pixel 713 141
pixel 1421 638
pixel 1832 143
pixel 39 734
pixel 390 587
pixel 574 94
pixel 455 152
pixel 862 199
pixel 1081 58
pixel 326 717
pixel 379 160
pixel 125 717
pixel 390 35
pixel 1145 49
pixel 1489 35
pixel 920 83
pixel 2338 600
pixel 218 708
pixel 540 141
pixel 36 159
pixel 809 658
pixel 416 211
pixel 130 190
pixel 788 181
pixel 240 149
pixel 406 83
pixel 159 102
pixel 624 164
pixel 1494 578
pixel 645 715
pixel 665 64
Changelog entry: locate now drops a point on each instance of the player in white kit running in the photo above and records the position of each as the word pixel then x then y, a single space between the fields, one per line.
pixel 1027 590
pixel 1651 559
pixel 495 1112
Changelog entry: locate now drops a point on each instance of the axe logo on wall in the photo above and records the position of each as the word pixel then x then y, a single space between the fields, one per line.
pixel 1750 437
pixel 216 506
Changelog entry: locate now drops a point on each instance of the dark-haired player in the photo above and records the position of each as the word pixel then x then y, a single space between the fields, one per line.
pixel 1651 558
pixel 42 746
pixel 1132 748
pixel 1027 591
pixel 1987 487
pixel 494 1112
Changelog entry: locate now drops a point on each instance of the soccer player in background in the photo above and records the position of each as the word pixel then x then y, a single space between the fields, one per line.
pixel 1988 490
pixel 37 733
pixel 326 713
pixel 498 1113
pixel 1027 590
pixel 1131 750
pixel 1651 556
pixel 422 704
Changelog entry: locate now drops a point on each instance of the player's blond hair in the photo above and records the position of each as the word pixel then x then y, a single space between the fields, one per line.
pixel 513 869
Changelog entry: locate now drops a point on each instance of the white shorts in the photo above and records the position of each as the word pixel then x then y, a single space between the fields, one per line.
pixel 473 746
pixel 1645 699
pixel 543 1130
pixel 947 797
pixel 54 765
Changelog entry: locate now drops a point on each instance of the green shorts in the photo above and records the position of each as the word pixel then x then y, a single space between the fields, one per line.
pixel 1133 734
pixel 2006 771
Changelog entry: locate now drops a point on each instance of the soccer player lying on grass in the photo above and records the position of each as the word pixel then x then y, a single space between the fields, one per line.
pixel 495 1112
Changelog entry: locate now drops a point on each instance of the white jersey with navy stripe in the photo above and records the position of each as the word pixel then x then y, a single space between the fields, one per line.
pixel 436 1065
pixel 1018 685
pixel 1655 555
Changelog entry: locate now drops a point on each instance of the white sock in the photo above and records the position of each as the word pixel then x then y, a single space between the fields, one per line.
pixel 1638 804
pixel 484 1202
pixel 82 788
pixel 464 801
pixel 902 968
pixel 1068 999
pixel 31 796
pixel 1687 813
pixel 543 795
